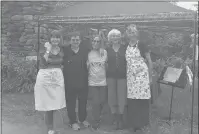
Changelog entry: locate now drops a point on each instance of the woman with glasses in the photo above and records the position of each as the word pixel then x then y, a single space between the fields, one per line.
pixel 116 78
pixel 138 80
pixel 96 64
pixel 49 88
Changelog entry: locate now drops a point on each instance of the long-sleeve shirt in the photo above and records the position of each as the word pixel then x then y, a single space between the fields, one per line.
pixel 75 67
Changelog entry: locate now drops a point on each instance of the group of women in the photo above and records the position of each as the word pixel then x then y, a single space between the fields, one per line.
pixel 119 74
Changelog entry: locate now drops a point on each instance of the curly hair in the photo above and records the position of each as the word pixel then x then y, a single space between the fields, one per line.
pixel 114 32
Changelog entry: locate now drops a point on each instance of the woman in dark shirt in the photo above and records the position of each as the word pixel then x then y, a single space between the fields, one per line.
pixel 116 77
pixel 49 88
pixel 76 80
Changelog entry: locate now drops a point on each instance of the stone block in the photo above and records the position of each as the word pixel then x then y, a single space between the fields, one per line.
pixel 29 36
pixel 33 23
pixel 21 24
pixel 15 43
pixel 17 17
pixel 23 3
pixel 12 28
pixel 37 8
pixel 41 29
pixel 8 33
pixel 28 17
pixel 31 42
pixel 15 35
pixel 5 20
pixel 31 11
pixel 21 29
pixel 22 39
pixel 28 26
pixel 43 36
pixel 44 25
pixel 29 31
pixel 3 26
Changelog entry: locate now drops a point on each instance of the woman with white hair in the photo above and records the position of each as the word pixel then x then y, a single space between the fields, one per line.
pixel 139 69
pixel 116 77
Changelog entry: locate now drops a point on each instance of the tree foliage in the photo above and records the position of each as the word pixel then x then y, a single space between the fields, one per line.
pixel 18 74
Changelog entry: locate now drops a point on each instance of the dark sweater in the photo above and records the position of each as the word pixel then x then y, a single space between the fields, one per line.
pixel 75 68
pixel 116 63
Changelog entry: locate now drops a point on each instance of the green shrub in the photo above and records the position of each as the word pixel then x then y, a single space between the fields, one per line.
pixel 18 75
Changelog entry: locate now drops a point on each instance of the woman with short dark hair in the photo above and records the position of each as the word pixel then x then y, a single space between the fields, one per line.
pixel 76 80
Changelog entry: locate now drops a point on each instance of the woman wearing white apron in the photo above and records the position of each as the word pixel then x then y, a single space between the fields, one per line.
pixel 138 80
pixel 49 89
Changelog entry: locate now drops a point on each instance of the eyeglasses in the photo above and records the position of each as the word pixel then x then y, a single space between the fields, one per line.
pixel 96 41
pixel 75 40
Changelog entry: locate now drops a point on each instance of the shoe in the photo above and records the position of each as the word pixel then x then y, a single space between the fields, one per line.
pixel 51 132
pixel 75 126
pixel 85 124
pixel 120 122
pixel 114 119
pixel 116 123
pixel 95 127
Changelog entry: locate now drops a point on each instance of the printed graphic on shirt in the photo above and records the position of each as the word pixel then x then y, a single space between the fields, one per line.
pixel 97 69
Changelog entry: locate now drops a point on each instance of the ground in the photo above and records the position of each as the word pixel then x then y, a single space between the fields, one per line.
pixel 19 116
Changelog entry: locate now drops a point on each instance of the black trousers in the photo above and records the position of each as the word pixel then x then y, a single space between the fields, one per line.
pixel 73 94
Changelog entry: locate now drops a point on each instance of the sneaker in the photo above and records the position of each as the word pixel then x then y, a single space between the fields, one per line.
pixel 75 126
pixel 95 126
pixel 51 132
pixel 85 124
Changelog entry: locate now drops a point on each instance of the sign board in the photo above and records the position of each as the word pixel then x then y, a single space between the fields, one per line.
pixel 173 76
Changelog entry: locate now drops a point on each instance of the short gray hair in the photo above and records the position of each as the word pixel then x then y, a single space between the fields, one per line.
pixel 114 32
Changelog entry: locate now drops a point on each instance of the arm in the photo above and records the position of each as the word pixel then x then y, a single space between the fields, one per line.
pixel 150 63
pixel 87 61
pixel 57 60
pixel 106 61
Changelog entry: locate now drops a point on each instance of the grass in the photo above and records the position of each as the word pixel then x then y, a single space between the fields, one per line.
pixel 19 116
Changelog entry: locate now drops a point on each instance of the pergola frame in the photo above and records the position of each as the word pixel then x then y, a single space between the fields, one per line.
pixel 190 17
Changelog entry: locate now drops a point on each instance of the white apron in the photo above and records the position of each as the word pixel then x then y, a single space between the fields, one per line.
pixel 49 90
pixel 138 85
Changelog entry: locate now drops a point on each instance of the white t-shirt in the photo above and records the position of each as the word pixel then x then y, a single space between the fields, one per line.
pixel 97 69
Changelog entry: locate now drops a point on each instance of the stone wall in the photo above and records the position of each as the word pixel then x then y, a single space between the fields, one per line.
pixel 19 24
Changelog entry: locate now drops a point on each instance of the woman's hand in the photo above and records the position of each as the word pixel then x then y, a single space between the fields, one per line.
pixel 48 46
pixel 150 79
pixel 46 55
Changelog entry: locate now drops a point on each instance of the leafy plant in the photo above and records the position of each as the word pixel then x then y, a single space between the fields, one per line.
pixel 18 74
